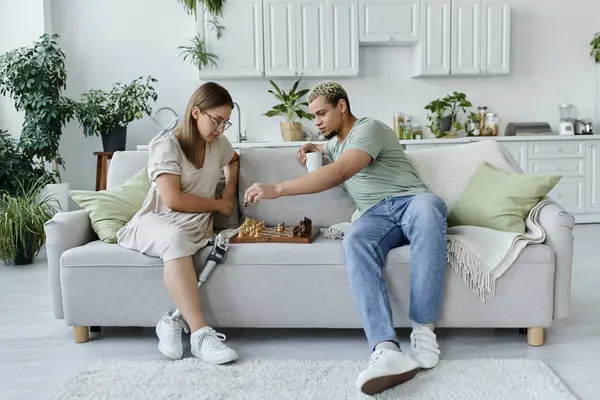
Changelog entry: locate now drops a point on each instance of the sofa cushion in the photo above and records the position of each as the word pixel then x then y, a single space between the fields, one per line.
pixel 101 254
pixel 500 200
pixel 276 164
pixel 109 210
pixel 321 252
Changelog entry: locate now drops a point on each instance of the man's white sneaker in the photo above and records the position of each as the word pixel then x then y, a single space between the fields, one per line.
pixel 169 334
pixel 207 344
pixel 424 347
pixel 387 368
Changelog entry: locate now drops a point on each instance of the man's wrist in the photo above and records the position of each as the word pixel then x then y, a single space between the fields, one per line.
pixel 279 190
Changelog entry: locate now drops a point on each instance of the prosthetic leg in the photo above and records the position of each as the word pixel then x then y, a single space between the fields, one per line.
pixel 220 244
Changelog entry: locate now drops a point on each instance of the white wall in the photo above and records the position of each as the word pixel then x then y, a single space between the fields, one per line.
pixel 113 40
pixel 21 23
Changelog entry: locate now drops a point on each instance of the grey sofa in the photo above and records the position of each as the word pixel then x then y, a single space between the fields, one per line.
pixel 288 285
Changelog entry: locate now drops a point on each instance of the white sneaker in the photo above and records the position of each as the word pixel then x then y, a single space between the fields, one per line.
pixel 207 344
pixel 168 331
pixel 387 368
pixel 424 347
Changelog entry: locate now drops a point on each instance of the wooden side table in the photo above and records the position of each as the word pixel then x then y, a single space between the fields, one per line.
pixel 102 168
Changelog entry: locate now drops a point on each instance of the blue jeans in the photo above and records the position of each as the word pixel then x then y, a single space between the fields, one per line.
pixel 418 220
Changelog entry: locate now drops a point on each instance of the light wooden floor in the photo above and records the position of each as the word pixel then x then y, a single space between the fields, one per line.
pixel 37 354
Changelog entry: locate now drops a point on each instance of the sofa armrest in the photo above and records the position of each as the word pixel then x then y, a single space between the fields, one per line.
pixel 558 225
pixel 63 232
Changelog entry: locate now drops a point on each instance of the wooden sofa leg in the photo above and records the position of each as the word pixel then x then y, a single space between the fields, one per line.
pixel 81 334
pixel 535 336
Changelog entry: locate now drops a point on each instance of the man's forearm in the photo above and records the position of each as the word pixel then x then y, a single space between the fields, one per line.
pixel 320 180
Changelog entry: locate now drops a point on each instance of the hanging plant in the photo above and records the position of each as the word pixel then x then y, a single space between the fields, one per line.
pixel 595 48
pixel 196 52
pixel 214 7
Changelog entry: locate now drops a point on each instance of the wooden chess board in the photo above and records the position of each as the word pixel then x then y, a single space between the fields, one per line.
pixel 272 235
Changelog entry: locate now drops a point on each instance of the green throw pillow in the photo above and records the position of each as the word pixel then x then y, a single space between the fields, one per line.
pixel 500 200
pixel 109 210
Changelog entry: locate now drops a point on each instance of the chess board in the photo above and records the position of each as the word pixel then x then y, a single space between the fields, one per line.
pixel 271 235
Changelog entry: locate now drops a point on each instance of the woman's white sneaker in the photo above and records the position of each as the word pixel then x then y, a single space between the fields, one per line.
pixel 169 335
pixel 424 347
pixel 207 344
pixel 387 368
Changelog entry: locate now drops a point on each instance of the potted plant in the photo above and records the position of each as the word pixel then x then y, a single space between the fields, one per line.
pixel 291 108
pixel 595 48
pixel 34 78
pixel 22 219
pixel 107 113
pixel 448 114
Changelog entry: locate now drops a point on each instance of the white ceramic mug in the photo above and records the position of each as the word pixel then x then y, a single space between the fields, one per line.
pixel 314 160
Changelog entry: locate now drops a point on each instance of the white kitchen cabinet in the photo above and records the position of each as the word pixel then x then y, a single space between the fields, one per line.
pixel 240 47
pixel 431 56
pixel 495 46
pixel 466 37
pixel 519 152
pixel 593 171
pixel 389 22
pixel 475 40
pixel 311 38
pixel 280 23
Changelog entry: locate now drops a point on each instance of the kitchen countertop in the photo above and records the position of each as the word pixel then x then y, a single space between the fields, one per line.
pixel 243 145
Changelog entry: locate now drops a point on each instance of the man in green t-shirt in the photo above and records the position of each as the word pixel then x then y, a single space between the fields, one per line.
pixel 394 208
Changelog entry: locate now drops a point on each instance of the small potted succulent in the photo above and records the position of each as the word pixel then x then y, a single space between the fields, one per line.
pixel 290 107
pixel 107 113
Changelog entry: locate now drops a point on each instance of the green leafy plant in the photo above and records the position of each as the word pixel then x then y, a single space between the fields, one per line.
pixel 290 105
pixel 196 52
pixel 101 112
pixel 17 170
pixel 34 78
pixel 447 113
pixel 22 219
pixel 595 48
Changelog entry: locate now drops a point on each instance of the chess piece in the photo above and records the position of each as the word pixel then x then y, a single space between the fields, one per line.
pixel 280 227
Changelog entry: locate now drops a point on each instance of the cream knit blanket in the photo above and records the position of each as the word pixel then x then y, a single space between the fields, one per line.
pixel 479 255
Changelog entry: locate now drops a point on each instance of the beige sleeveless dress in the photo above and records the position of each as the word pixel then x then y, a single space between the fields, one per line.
pixel 158 231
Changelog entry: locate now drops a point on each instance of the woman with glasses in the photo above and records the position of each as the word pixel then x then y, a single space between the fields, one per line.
pixel 176 219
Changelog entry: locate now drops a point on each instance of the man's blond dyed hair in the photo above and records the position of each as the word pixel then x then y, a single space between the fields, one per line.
pixel 332 91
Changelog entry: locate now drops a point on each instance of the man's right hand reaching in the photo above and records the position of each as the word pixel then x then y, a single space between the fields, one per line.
pixel 306 148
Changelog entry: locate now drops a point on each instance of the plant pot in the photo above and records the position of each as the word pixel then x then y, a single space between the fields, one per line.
pixel 59 192
pixel 115 140
pixel 446 124
pixel 291 131
pixel 25 252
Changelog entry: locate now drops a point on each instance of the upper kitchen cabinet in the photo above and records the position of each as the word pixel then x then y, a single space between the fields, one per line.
pixel 463 37
pixel 310 38
pixel 240 47
pixel 389 22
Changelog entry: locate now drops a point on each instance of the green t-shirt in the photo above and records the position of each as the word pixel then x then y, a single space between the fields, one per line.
pixel 389 174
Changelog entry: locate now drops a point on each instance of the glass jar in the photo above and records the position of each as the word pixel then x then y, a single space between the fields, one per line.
pixel 491 125
pixel 407 128
pixel 482 115
pixel 417 132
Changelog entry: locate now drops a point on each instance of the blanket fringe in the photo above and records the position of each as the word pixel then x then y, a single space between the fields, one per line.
pixel 473 272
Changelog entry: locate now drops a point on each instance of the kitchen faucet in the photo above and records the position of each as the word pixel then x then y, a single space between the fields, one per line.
pixel 240 137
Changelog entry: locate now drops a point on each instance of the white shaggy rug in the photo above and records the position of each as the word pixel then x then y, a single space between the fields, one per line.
pixel 298 380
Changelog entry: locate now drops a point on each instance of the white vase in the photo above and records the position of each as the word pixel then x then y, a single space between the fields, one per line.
pixel 60 193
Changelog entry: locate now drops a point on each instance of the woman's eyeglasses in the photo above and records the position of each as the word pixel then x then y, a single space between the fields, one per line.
pixel 220 125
